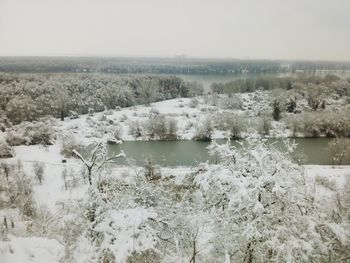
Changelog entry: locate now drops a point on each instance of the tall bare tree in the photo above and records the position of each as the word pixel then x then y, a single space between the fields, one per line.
pixel 97 160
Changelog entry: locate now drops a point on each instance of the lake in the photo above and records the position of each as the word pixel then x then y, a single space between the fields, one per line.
pixel 189 153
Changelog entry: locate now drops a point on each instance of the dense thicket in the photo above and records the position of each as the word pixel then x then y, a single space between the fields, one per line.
pixel 25 97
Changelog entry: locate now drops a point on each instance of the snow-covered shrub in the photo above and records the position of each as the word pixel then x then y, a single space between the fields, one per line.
pixel 346 195
pixel 73 115
pixel 106 256
pixel 263 208
pixel 149 256
pixel 91 112
pixel 15 138
pixel 44 223
pixel 128 227
pixel 156 126
pixel 193 103
pixel 153 111
pixel 108 112
pixel 213 99
pixel 71 230
pixel 194 89
pixel 148 89
pixel 114 234
pixel 38 169
pixel 339 150
pixel 32 133
pixel 236 126
pixel 161 127
pixel 312 127
pixel 117 132
pixel 113 188
pixel 336 124
pixel 4 122
pixel 64 176
pixel 326 182
pixel 205 130
pixel 69 143
pixel 102 117
pixel 294 123
pixel 17 191
pixel 5 169
pixel 264 125
pixel 6 150
pixel 230 102
pixel 123 118
pixel 135 129
pixel 21 108
pixel 172 129
pixel 330 124
pixel 151 170
pixel 232 123
pixel 276 110
pixel 41 134
pixel 291 105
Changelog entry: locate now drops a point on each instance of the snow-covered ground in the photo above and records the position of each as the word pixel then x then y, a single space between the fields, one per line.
pixel 101 125
pixel 90 128
pixel 30 250
pixel 51 193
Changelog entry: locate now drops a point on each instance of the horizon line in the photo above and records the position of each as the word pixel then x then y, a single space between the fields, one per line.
pixel 175 57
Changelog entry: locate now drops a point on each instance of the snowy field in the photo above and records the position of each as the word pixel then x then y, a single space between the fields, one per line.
pixel 188 115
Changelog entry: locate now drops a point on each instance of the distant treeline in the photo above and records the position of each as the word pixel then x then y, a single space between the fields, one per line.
pixel 136 65
pixel 251 84
pixel 160 65
pixel 27 97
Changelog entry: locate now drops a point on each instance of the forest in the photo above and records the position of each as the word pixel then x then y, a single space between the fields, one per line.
pixel 161 65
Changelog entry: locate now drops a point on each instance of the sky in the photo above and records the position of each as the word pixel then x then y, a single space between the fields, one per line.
pixel 256 29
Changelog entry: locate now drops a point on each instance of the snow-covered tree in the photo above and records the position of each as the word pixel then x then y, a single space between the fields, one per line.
pixel 264 210
pixel 98 159
pixel 6 150
pixel 204 130
pixel 339 150
pixel 149 89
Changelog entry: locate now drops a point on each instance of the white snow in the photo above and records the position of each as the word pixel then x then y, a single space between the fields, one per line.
pixel 52 189
pixel 30 250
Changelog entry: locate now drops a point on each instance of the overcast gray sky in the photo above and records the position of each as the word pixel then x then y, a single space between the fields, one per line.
pixel 272 29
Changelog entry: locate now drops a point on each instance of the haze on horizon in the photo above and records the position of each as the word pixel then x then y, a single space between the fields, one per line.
pixel 271 29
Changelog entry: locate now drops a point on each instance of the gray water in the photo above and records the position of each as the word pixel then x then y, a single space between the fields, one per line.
pixel 189 153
